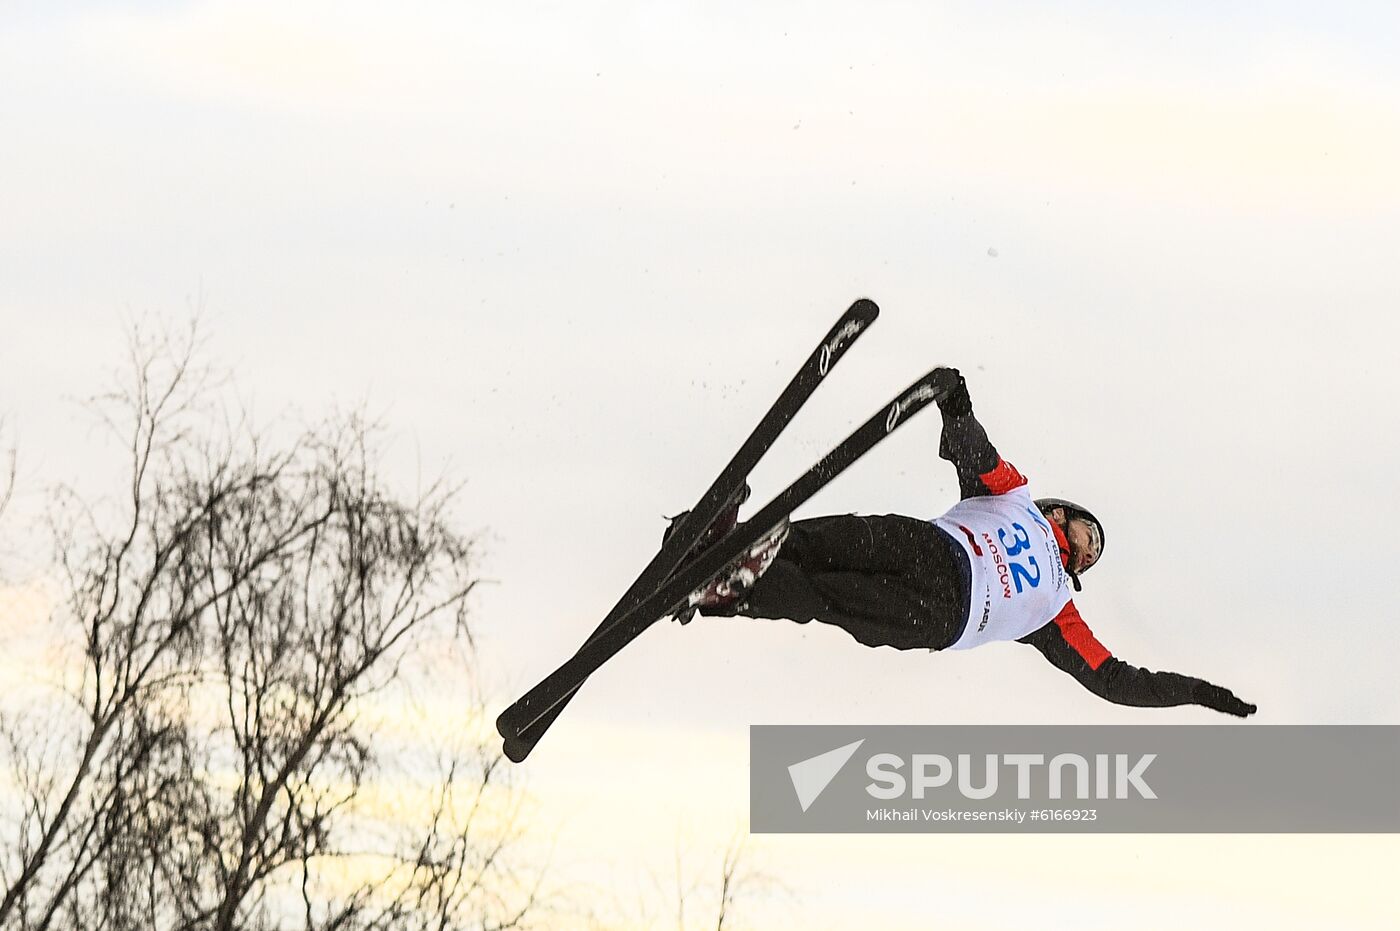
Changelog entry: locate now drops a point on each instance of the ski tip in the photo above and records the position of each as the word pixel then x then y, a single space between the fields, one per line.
pixel 516 750
pixel 864 307
pixel 503 726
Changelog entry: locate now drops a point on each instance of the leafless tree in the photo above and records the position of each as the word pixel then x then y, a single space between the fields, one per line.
pixel 235 611
pixel 739 881
pixel 711 897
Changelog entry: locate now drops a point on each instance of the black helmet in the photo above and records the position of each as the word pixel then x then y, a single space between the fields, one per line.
pixel 1072 510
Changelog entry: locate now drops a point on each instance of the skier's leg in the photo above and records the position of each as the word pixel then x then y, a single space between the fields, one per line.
pixel 856 543
pixel 843 543
pixel 890 580
pixel 816 546
pixel 876 609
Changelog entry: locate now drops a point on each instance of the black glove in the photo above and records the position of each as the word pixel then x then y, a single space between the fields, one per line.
pixel 956 403
pixel 1219 698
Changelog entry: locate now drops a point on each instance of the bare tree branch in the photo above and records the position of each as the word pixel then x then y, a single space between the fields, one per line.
pixel 237 606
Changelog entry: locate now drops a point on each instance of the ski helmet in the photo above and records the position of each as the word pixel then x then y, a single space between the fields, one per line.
pixel 1073 510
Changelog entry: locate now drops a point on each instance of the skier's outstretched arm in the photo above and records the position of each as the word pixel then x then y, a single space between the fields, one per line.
pixel 964 443
pixel 1069 643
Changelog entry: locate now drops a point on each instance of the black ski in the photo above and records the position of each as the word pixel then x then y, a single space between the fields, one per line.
pixel 522 716
pixel 673 594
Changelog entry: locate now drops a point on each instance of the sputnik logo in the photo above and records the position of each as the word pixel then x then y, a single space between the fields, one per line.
pixel 811 776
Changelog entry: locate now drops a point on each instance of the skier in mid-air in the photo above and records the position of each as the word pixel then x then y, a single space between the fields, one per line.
pixel 997 566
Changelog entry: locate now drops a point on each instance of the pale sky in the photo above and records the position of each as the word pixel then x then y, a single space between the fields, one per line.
pixel 572 252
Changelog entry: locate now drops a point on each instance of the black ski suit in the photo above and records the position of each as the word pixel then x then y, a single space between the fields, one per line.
pixel 899 581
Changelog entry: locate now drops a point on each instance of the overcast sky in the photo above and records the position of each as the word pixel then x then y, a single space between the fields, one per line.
pixel 572 251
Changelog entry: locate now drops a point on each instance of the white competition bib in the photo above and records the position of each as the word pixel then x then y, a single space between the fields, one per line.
pixel 1018 581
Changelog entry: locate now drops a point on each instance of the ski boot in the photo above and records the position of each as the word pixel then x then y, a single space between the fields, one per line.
pixel 730 587
pixel 727 520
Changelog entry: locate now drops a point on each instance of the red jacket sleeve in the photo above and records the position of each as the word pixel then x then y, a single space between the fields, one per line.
pixel 1069 643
